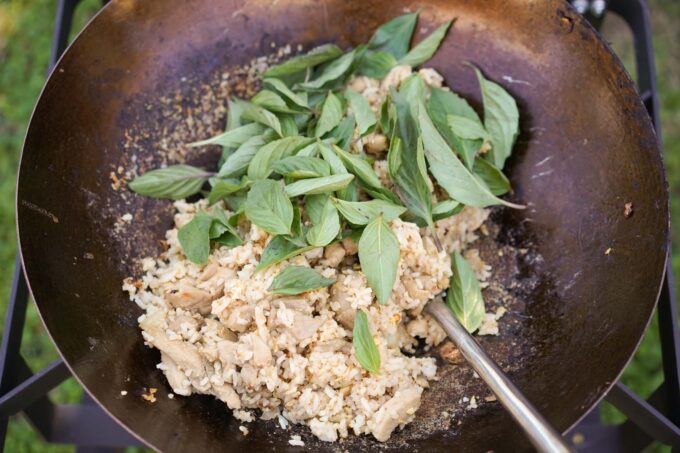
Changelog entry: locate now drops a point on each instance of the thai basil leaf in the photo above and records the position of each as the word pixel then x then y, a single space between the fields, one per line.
pixel 175 182
pixel 233 138
pixel 424 50
pixel 299 167
pixel 366 175
pixel 194 237
pixel 263 116
pixel 363 212
pixel 343 132
pixel 376 64
pixel 394 37
pixel 331 115
pixel 260 166
pixel 237 163
pixel 338 168
pixel 466 128
pixel 268 207
pixel 314 205
pixel 299 63
pixel 464 297
pixel 223 230
pixel 411 91
pixel 450 173
pixel 494 179
pixel 330 73
pixel 379 257
pixel 365 350
pixel 221 188
pixel 445 209
pixel 313 186
pixel 386 117
pixel 365 117
pixel 300 100
pixel 326 229
pixel 273 102
pixel 297 280
pixel 235 108
pixel 280 248
pixel 311 150
pixel 289 127
pixel 501 119
pixel 406 162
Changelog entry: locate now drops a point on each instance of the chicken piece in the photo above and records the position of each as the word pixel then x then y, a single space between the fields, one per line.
pixel 175 376
pixel 190 298
pixel 262 355
pixel 375 143
pixel 298 304
pixel 398 410
pixel 220 330
pixel 350 246
pixel 334 254
pixel 304 326
pixel 226 393
pixel 184 354
pixel 337 344
pixel 226 350
pixel 344 313
pixel 240 318
pixel 176 323
pixel 249 375
pixel 208 272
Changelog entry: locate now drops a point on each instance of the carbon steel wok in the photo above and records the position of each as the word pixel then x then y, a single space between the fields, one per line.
pixel 143 72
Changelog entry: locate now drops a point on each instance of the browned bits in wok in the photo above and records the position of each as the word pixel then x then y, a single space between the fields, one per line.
pixel 150 395
pixel 628 210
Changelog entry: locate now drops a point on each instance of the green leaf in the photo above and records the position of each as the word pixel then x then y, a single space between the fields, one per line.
pixel 334 71
pixel 237 163
pixel 366 175
pixel 445 209
pixel 235 108
pixel 386 117
pixel 268 207
pixel 466 128
pixel 450 173
pixel 344 132
pixel 324 184
pixel 337 168
pixel 300 167
pixel 406 162
pixel 444 103
pixel 365 350
pixel 314 205
pixel 365 117
pixel 297 280
pixel 289 127
pixel 379 257
pixel 299 100
pixel 222 230
pixel 221 188
pixel 331 115
pixel 494 179
pixel 394 37
pixel 233 138
pixel 424 50
pixel 263 116
pixel 299 63
pixel 363 212
pixel 175 182
pixel 464 297
pixel 326 229
pixel 280 248
pixel 260 166
pixel 311 150
pixel 501 118
pixel 412 90
pixel 194 237
pixel 273 102
pixel 376 64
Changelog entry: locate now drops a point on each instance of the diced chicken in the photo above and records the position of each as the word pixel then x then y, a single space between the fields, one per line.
pixel 298 304
pixel 175 376
pixel 337 344
pixel 184 354
pixel 208 272
pixel 375 143
pixel 189 298
pixel 262 355
pixel 304 326
pixel 187 320
pixel 226 351
pixel 240 318
pixel 249 375
pixel 226 393
pixel 398 410
pixel 350 246
pixel 344 313
pixel 334 254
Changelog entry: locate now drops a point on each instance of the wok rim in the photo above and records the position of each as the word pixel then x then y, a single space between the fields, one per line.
pixel 656 158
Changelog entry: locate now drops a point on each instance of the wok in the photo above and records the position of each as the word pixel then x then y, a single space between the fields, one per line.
pixel 145 76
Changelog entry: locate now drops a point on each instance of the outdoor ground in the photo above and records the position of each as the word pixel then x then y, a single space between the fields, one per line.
pixel 25 35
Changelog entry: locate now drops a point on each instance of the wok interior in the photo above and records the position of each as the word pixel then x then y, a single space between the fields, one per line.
pixel 586 149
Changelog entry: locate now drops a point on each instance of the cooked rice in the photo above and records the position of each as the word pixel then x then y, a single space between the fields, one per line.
pixel 221 332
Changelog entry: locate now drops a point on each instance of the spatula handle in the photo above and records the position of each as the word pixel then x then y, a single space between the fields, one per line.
pixel 540 433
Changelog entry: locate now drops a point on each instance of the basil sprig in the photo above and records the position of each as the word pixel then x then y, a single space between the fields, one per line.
pixel 365 350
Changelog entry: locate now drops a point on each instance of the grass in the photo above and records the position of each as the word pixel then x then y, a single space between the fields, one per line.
pixel 25 36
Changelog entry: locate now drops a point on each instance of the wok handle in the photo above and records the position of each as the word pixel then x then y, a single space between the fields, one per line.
pixel 540 433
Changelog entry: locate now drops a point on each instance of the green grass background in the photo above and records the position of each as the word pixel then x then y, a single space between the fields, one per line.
pixel 25 34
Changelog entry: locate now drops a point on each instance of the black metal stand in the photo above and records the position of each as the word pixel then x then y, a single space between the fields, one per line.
pixel 89 428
